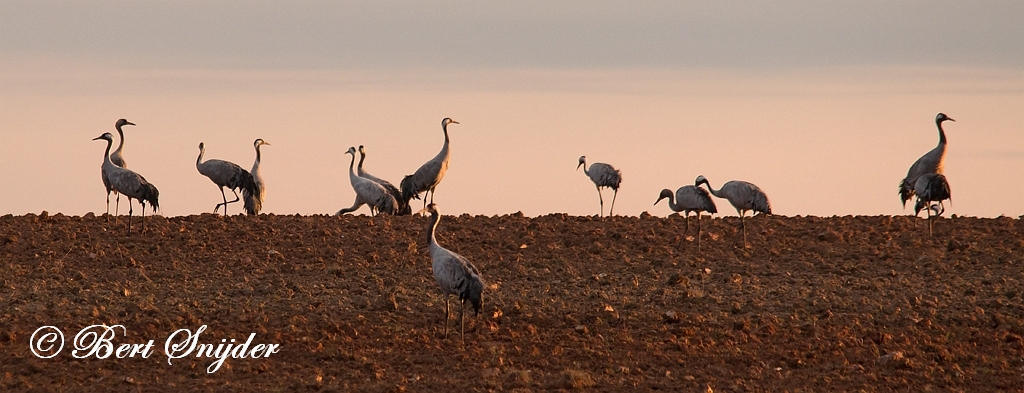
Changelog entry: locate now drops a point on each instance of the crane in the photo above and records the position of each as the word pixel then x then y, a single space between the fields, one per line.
pixel 689 199
pixel 402 208
pixel 429 175
pixel 931 187
pixel 743 196
pixel 117 157
pixel 455 274
pixel 932 162
pixel 225 174
pixel 368 192
pixel 127 182
pixel 253 201
pixel 603 175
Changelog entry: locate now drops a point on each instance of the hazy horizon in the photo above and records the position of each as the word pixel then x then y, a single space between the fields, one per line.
pixel 824 106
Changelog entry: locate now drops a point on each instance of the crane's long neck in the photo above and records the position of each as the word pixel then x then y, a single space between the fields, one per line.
pixel 120 145
pixel 351 168
pixel 585 170
pixel 444 148
pixel 435 217
pixel 672 203
pixel 106 154
pixel 362 157
pixel 717 193
pixel 256 164
pixel 942 134
pixel 199 160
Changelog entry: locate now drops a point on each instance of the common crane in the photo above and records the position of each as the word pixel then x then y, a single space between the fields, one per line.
pixel 931 162
pixel 117 157
pixel 402 208
pixel 689 199
pixel 253 201
pixel 368 192
pixel 127 182
pixel 931 187
pixel 455 274
pixel 743 196
pixel 603 175
pixel 225 174
pixel 429 175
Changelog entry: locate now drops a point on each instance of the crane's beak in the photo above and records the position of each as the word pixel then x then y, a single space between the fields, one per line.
pixel 98 138
pixel 129 123
pixel 950 119
pixel 578 166
pixel 454 122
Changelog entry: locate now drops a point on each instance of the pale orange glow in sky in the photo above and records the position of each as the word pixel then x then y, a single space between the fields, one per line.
pixel 825 109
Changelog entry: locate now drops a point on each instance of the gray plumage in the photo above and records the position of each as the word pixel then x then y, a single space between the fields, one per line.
pixel 931 187
pixel 429 175
pixel 689 199
pixel 603 175
pixel 253 200
pixel 402 208
pixel 117 157
pixel 127 182
pixel 225 174
pixel 368 192
pixel 741 195
pixel 931 162
pixel 455 275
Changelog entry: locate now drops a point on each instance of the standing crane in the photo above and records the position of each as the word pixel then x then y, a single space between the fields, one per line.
pixel 455 274
pixel 689 199
pixel 743 196
pixel 117 157
pixel 603 175
pixel 368 192
pixel 931 162
pixel 931 187
pixel 402 208
pixel 253 201
pixel 225 174
pixel 127 182
pixel 429 175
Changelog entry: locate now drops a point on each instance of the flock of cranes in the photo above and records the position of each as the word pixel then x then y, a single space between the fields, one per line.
pixel 455 274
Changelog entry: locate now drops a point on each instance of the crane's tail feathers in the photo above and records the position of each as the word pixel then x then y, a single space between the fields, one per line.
pixel 474 292
pixel 409 190
pixel 906 192
pixel 152 195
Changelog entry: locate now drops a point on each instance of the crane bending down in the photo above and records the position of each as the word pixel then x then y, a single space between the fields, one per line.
pixel 117 157
pixel 931 162
pixel 253 200
pixel 455 274
pixel 929 188
pixel 225 174
pixel 127 182
pixel 429 175
pixel 603 175
pixel 402 207
pixel 368 192
pixel 741 195
pixel 689 199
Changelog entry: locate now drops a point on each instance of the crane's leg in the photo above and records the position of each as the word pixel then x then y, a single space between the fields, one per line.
pixel 432 192
pixel 117 204
pixel 129 217
pixel 744 227
pixel 686 228
pixel 446 308
pixel 143 217
pixel 614 194
pixel 108 205
pixel 698 231
pixel 929 218
pixel 462 320
pixel 600 198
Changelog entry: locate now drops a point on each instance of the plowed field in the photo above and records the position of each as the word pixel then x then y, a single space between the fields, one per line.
pixel 822 304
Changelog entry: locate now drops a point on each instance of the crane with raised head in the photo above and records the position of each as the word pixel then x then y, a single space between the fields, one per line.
pixel 127 182
pixel 931 162
pixel 368 192
pixel 117 157
pixel 455 274
pixel 429 175
pixel 689 199
pixel 225 174
pixel 253 200
pixel 743 196
pixel 603 175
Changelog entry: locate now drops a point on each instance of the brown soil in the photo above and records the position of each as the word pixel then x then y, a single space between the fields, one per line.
pixel 823 304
